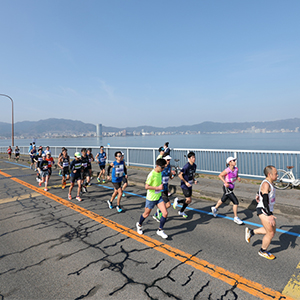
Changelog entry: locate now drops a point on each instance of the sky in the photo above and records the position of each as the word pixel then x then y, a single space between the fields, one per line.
pixel 163 63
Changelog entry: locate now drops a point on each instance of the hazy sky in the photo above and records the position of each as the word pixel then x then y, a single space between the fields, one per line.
pixel 161 63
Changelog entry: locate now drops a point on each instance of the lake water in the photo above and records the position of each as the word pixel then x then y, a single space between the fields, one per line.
pixel 250 141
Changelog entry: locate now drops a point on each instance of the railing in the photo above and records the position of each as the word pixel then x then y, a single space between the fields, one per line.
pixel 211 161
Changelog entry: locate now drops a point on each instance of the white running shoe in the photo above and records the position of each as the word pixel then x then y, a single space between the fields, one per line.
pixel 238 221
pixel 161 234
pixel 139 228
pixel 110 206
pixel 183 214
pixel 214 211
pixel 175 203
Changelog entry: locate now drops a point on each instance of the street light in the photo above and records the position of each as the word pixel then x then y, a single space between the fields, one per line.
pixel 12 119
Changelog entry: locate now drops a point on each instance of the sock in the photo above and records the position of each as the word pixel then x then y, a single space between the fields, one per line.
pixel 162 222
pixel 142 219
pixel 251 232
pixel 263 250
pixel 184 206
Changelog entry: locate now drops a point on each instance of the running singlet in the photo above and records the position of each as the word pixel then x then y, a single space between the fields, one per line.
pixel 50 162
pixel 39 158
pixel 101 158
pixel 9 151
pixel 76 165
pixel 188 172
pixel 166 176
pixel 231 177
pixel 90 156
pixel 65 161
pixel 17 151
pixel 118 171
pixel 271 195
pixel 85 162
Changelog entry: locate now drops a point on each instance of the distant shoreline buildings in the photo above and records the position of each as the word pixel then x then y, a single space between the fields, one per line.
pixel 142 132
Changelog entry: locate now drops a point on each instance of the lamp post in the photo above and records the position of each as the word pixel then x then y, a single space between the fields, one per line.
pixel 12 119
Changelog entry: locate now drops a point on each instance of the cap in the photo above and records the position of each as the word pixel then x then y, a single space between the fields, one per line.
pixel 123 154
pixel 77 154
pixel 161 149
pixel 167 157
pixel 229 159
pixel 44 154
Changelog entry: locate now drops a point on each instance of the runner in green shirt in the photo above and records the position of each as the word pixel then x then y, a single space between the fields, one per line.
pixel 154 188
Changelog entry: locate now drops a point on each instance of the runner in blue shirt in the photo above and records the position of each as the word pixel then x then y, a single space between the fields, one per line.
pixel 118 172
pixel 101 159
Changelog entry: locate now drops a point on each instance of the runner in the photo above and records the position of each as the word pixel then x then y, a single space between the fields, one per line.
pixel 91 159
pixel 43 171
pixel 47 150
pixel 264 208
pixel 167 149
pixel 125 177
pixel 154 187
pixel 118 171
pixel 101 159
pixel 17 153
pixel 75 168
pixel 187 179
pixel 229 177
pixel 161 151
pixel 60 154
pixel 9 150
pixel 64 163
pixel 32 156
pixel 50 160
pixel 166 174
pixel 38 158
pixel 85 173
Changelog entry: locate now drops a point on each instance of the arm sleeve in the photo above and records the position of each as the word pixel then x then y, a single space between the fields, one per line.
pixel 266 204
pixel 125 170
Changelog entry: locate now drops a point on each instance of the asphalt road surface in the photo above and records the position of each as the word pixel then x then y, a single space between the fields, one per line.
pixel 53 248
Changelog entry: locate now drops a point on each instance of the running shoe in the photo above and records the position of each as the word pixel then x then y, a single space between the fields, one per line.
pixel 84 189
pixel 247 235
pixel 40 183
pixel 45 189
pixel 161 234
pixel 119 209
pixel 103 181
pixel 183 214
pixel 155 217
pixel 214 211
pixel 116 197
pixel 98 179
pixel 266 254
pixel 238 221
pixel 123 195
pixel 175 203
pixel 78 198
pixel 63 186
pixel 59 173
pixel 109 204
pixel 169 194
pixel 69 197
pixel 139 228
pixel 89 184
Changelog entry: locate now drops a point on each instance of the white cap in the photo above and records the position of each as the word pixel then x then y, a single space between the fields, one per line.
pixel 229 159
pixel 167 157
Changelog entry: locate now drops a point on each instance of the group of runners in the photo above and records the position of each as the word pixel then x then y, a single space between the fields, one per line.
pixel 156 185
pixel 10 151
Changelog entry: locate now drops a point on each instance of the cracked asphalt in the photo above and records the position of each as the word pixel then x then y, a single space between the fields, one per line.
pixel 51 251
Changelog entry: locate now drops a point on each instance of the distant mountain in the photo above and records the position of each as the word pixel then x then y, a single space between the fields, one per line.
pixel 69 127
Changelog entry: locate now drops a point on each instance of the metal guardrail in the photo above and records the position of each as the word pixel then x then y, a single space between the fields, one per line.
pixel 251 163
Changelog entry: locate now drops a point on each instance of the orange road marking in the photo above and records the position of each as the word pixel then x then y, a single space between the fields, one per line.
pixel 230 278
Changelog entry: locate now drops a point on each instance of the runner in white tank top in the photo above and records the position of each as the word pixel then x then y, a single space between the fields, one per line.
pixel 265 206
